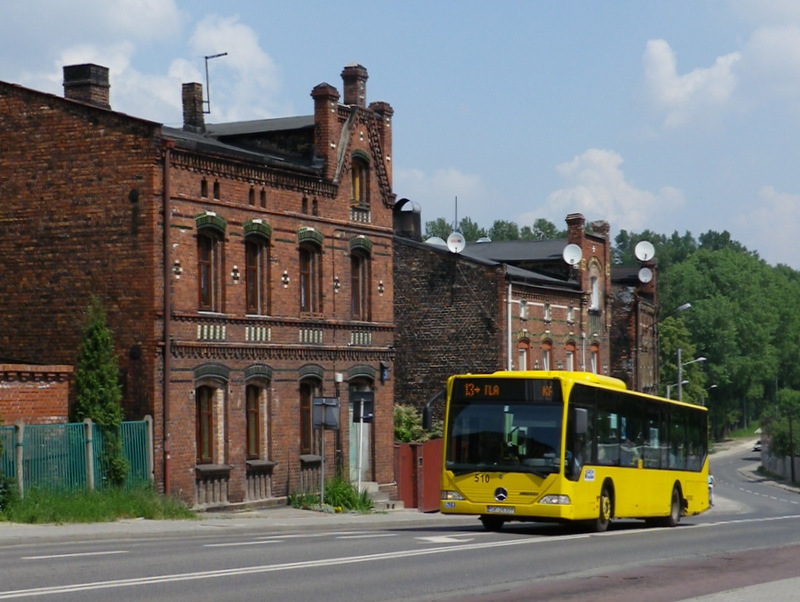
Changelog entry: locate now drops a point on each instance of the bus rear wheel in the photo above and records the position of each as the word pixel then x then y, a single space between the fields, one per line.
pixel 492 523
pixel 674 509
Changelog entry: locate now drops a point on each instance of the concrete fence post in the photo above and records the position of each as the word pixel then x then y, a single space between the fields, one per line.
pixel 87 422
pixel 150 464
pixel 19 451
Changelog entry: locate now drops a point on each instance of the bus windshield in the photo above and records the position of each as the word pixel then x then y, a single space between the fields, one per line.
pixel 503 436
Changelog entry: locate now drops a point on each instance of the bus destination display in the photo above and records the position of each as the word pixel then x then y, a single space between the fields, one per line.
pixel 506 389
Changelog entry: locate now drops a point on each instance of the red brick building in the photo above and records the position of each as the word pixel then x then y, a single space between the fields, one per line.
pixel 634 333
pixel 245 269
pixel 500 306
pixel 34 394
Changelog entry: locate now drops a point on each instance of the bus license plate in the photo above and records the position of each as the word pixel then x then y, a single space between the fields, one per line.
pixel 500 509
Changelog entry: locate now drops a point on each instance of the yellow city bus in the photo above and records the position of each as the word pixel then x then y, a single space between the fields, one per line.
pixel 570 446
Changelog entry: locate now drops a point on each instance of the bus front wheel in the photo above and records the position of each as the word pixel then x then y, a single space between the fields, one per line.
pixel 492 523
pixel 604 516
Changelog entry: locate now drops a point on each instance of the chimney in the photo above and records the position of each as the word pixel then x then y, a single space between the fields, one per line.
pixel 192 96
pixel 355 78
pixel 87 83
pixel 326 119
pixel 575 225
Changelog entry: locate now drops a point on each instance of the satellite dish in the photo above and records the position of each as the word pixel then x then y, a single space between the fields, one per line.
pixel 572 254
pixel 644 251
pixel 456 242
pixel 645 275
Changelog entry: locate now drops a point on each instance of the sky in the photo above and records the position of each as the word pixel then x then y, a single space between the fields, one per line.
pixel 669 116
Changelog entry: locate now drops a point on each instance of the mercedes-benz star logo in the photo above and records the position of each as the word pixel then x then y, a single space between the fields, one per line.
pixel 500 494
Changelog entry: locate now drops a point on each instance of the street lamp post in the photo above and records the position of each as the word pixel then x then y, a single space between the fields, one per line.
pixel 681 308
pixel 669 387
pixel 703 398
pixel 680 371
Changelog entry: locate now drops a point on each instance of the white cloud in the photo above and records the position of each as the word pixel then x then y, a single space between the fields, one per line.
pixel 245 82
pixel 772 227
pixel 595 186
pixel 771 61
pixel 680 97
pixel 767 12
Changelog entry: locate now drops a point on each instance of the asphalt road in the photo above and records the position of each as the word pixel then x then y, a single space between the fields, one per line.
pixel 749 537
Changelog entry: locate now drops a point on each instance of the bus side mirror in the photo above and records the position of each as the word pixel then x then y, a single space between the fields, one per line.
pixel 581 421
pixel 427 418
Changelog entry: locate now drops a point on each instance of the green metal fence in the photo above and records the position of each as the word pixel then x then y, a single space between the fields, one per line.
pixel 62 457
pixel 7 450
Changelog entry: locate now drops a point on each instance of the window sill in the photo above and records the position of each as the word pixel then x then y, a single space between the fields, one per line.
pixel 308 460
pixel 210 471
pixel 260 466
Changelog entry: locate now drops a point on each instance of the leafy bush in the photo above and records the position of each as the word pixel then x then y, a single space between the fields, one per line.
pixel 304 501
pixel 43 506
pixel 408 426
pixel 343 494
pixel 339 493
pixel 8 492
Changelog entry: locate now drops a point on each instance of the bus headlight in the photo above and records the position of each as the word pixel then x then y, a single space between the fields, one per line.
pixel 451 495
pixel 555 500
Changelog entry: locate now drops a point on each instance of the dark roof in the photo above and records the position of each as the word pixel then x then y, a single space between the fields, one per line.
pixel 518 250
pixel 625 275
pixel 259 126
pixel 209 142
pixel 513 272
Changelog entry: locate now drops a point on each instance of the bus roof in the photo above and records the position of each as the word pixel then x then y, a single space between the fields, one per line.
pixel 583 377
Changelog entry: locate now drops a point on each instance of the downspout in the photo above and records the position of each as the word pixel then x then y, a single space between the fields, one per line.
pixel 167 145
pixel 508 325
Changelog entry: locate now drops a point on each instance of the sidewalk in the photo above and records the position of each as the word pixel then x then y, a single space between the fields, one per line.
pixel 272 520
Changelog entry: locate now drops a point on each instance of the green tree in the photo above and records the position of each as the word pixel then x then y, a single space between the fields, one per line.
pixel 542 230
pixel 439 227
pixel 781 423
pixel 503 231
pixel 98 394
pixel 470 230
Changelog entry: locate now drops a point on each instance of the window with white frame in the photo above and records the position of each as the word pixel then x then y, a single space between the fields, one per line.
pixel 570 361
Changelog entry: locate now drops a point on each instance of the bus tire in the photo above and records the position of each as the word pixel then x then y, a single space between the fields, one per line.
pixel 492 523
pixel 674 509
pixel 604 516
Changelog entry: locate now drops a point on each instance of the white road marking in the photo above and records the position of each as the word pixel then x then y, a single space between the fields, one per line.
pixel 73 555
pixel 269 568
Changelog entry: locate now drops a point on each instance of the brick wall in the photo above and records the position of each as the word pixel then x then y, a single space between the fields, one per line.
pixel 34 394
pixel 446 314
pixel 82 215
pixel 77 220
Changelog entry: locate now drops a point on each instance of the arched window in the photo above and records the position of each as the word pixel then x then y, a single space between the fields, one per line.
pixel 524 354
pixel 208 271
pixel 204 397
pixel 360 278
pixel 256 426
pixel 359 182
pixel 569 365
pixel 309 389
pixel 257 280
pixel 210 232
pixel 547 355
pixel 310 278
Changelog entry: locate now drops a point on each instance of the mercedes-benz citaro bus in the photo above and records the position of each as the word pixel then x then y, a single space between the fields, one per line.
pixel 570 447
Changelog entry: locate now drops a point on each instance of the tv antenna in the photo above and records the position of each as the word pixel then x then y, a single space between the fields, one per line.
pixel 207 102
